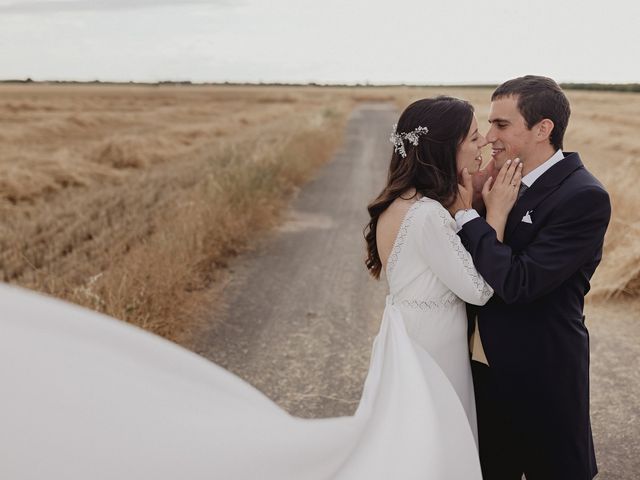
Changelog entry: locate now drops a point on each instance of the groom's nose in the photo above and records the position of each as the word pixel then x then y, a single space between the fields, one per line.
pixel 491 135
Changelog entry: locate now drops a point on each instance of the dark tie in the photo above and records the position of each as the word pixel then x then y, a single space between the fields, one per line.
pixel 521 190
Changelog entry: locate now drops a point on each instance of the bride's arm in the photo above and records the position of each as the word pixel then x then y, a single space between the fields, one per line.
pixel 449 260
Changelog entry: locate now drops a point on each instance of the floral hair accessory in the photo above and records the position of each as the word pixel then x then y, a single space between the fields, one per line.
pixel 412 137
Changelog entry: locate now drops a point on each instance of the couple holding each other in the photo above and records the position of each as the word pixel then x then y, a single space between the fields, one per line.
pixel 535 250
pixel 86 396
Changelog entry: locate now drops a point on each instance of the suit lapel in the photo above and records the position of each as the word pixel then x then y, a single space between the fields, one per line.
pixel 547 183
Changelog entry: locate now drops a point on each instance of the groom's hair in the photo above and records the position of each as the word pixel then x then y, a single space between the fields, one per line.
pixel 539 98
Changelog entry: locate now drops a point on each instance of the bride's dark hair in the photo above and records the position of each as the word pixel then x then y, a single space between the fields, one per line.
pixel 429 167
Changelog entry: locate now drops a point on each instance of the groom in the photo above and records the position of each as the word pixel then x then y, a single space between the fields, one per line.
pixel 532 391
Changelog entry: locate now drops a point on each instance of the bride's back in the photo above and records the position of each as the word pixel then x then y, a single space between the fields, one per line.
pixel 389 225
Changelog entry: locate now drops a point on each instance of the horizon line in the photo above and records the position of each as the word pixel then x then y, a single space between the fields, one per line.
pixel 627 86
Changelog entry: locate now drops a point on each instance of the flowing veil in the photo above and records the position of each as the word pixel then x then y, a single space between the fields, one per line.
pixel 85 396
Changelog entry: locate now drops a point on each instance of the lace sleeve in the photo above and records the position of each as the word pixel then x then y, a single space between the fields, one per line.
pixel 448 258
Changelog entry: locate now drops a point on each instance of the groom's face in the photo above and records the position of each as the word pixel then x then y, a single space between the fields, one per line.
pixel 509 136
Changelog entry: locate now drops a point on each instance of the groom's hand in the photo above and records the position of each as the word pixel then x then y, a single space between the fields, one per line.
pixel 479 178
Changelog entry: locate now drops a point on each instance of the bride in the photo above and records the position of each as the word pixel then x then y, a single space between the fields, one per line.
pixel 86 396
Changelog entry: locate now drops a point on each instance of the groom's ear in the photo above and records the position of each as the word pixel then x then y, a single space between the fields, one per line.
pixel 544 129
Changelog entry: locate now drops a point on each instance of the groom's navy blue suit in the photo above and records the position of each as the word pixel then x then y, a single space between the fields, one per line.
pixel 533 400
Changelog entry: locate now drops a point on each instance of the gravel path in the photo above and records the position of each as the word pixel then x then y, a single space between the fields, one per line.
pixel 615 387
pixel 298 314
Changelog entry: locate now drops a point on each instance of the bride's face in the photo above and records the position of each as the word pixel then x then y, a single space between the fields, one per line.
pixel 469 151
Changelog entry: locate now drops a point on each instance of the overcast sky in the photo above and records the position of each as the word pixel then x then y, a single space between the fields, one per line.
pixel 324 41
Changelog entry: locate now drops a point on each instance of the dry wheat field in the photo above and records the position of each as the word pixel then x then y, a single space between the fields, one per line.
pixel 125 198
pixel 129 198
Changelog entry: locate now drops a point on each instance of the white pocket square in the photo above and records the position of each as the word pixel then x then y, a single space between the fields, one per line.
pixel 527 217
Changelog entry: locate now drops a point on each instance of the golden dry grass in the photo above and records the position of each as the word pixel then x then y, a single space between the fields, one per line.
pixel 126 198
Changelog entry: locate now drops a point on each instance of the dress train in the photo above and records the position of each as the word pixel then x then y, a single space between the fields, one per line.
pixel 87 396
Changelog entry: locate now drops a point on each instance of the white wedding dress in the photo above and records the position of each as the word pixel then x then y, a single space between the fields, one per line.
pixel 85 396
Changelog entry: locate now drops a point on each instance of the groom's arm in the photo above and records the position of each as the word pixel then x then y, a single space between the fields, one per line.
pixel 572 238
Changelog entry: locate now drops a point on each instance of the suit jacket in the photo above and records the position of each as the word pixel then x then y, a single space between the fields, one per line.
pixel 533 330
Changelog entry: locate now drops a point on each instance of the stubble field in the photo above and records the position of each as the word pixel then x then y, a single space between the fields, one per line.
pixel 129 199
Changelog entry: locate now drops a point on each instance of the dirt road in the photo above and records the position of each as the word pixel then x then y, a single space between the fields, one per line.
pixel 614 328
pixel 299 313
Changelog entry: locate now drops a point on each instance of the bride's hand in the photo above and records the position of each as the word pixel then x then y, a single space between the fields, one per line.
pixel 465 193
pixel 479 178
pixel 500 197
